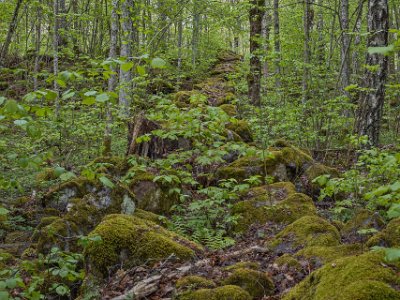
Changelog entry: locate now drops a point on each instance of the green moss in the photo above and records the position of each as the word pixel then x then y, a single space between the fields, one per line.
pixel 243 265
pixel 388 237
pixel 295 157
pixel 131 241
pixel 194 282
pixel 110 164
pixel 287 260
pixel 256 283
pixel 286 211
pixel 5 258
pixel 146 215
pixel 363 277
pixel 81 212
pixel 19 236
pixel 183 99
pixel 46 174
pixel 228 292
pixel 323 254
pixel 305 232
pixel 242 128
pixel 274 192
pixel 319 169
pixel 229 109
pixel 363 219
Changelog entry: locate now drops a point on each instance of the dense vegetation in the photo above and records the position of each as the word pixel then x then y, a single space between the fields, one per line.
pixel 196 149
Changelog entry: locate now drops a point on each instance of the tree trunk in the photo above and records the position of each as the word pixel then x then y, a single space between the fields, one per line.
pixel 112 81
pixel 10 33
pixel 277 45
pixel 369 114
pixel 345 49
pixel 55 57
pixel 38 38
pixel 357 39
pixel 126 46
pixel 196 31
pixel 266 33
pixel 254 78
pixel 307 24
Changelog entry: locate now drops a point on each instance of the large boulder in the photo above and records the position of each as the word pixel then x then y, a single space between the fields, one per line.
pixel 388 237
pixel 129 241
pixel 364 277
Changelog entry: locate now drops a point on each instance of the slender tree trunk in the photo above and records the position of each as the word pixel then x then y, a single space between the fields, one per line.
pixel 11 29
pixel 196 31
pixel 126 46
pixel 38 42
pixel 55 57
pixel 112 81
pixel 320 29
pixel 180 41
pixel 254 77
pixel 307 24
pixel 345 70
pixel 357 39
pixel 266 33
pixel 369 114
pixel 277 45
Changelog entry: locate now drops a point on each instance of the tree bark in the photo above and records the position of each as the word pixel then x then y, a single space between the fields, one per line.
pixel 369 114
pixel 55 57
pixel 254 78
pixel 277 45
pixel 11 29
pixel 307 23
pixel 345 49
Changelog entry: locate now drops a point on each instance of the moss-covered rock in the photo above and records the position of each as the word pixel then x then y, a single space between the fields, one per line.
pixel 253 211
pixel 363 277
pixel 129 240
pixel 256 283
pixel 388 237
pixel 288 261
pixel 114 165
pixel 243 265
pixel 314 171
pixel 305 232
pixel 242 128
pixel 5 258
pixel 152 196
pixel 46 174
pixel 362 220
pixel 184 99
pixel 228 292
pixel 229 109
pixel 194 283
pixel 323 254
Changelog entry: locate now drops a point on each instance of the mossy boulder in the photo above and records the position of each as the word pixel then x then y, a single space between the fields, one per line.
pixel 305 232
pixel 185 99
pixel 243 265
pixel 229 109
pixel 114 165
pixel 241 128
pixel 288 261
pixel 388 237
pixel 364 277
pixel 256 283
pixel 129 240
pixel 320 255
pixel 253 211
pixel 362 220
pixel 314 171
pixel 152 196
pixel 194 282
pixel 227 292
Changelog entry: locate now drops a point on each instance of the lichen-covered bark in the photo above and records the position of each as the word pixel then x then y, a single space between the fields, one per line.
pixel 369 114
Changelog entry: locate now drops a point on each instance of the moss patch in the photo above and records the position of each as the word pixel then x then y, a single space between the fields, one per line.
pixel 229 109
pixel 228 292
pixel 363 277
pixel 305 232
pixel 130 241
pixel 323 255
pixel 242 128
pixel 388 237
pixel 243 265
pixel 194 282
pixel 363 219
pixel 256 283
pixel 288 210
pixel 287 260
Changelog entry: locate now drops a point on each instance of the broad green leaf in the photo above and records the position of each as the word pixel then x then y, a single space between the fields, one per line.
pixel 58 171
pixel 102 98
pixel 67 176
pixel 11 107
pixel 90 93
pixel 158 63
pixel 61 83
pixel 2 100
pixel 127 66
pixel 67 95
pixel 4 211
pixel 20 122
pixel 106 182
pixel 381 50
pixel 89 101
pixel 33 131
pixel 141 70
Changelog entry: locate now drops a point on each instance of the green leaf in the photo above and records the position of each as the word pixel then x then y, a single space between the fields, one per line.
pixel 20 122
pixel 4 295
pixel 67 95
pixel 62 290
pixel 395 186
pixel 141 70
pixel 11 107
pixel 11 283
pixel 381 50
pixel 158 63
pixel 125 67
pixel 90 93
pixel 67 176
pixel 61 83
pixel 89 101
pixel 2 100
pixel 33 131
pixel 4 211
pixel 106 182
pixel 58 171
pixel 102 98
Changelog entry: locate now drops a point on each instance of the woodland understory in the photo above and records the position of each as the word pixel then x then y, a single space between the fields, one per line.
pixel 196 149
